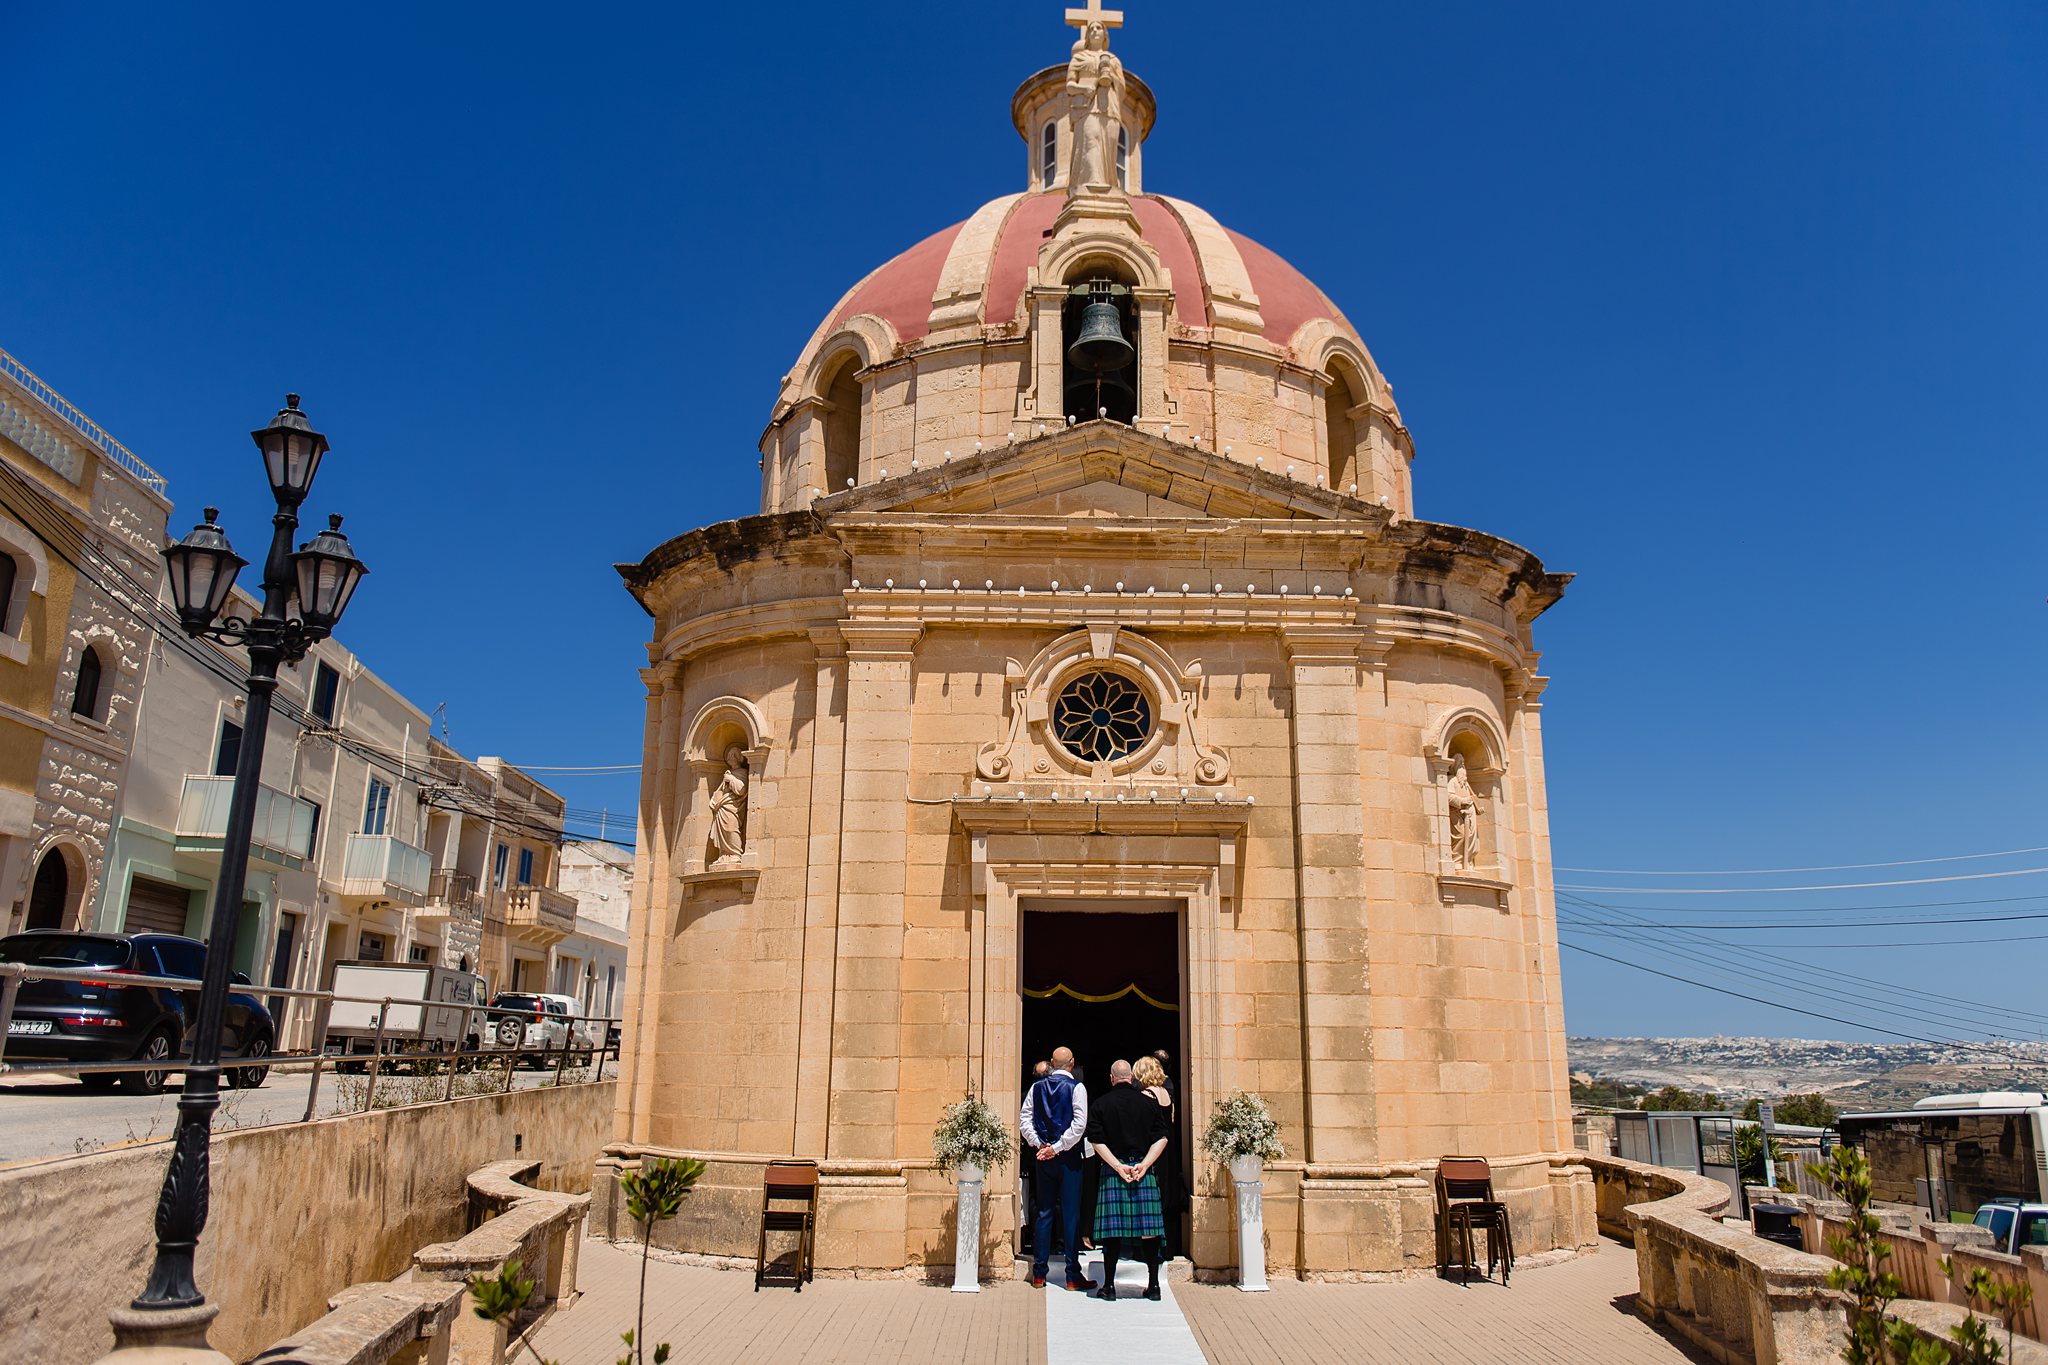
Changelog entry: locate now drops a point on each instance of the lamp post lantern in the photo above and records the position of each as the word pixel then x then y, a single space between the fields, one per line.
pixel 304 594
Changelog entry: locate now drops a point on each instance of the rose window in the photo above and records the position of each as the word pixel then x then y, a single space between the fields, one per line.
pixel 1101 716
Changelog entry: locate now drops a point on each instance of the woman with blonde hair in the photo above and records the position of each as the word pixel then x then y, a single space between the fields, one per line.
pixel 1151 1078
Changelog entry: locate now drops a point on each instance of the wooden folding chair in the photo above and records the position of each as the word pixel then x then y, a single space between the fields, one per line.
pixel 789 1203
pixel 1465 1203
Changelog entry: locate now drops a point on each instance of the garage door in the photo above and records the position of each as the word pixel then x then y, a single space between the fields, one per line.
pixel 156 907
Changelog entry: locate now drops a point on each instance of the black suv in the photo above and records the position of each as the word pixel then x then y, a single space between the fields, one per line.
pixel 102 1020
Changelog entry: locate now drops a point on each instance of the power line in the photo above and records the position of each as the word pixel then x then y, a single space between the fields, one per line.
pixel 1906 943
pixel 1863 923
pixel 1791 1009
pixel 1773 890
pixel 1966 1017
pixel 1757 954
pixel 1774 871
pixel 1825 909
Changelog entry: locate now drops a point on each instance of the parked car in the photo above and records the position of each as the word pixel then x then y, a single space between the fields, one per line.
pixel 549 1021
pixel 103 1020
pixel 2013 1224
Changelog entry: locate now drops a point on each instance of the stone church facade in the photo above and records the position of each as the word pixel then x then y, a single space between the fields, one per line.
pixel 1114 704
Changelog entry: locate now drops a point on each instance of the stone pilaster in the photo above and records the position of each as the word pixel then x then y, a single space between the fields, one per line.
pixel 1336 1003
pixel 821 895
pixel 1538 905
pixel 867 994
pixel 647 942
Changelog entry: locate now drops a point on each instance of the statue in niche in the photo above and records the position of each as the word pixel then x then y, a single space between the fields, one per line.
pixel 1095 91
pixel 1464 804
pixel 729 809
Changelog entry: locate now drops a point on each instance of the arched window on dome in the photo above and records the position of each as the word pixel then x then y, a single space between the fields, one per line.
pixel 842 425
pixel 1088 393
pixel 1340 432
pixel 1048 153
pixel 1123 158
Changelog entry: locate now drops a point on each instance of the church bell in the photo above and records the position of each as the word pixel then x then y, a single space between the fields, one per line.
pixel 1100 348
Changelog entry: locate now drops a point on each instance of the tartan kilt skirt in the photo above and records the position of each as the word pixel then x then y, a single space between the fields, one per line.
pixel 1123 1210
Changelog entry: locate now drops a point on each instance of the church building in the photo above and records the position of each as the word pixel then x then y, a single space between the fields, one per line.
pixel 1087 678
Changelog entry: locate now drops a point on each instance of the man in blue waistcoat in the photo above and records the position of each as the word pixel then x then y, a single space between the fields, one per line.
pixel 1054 1117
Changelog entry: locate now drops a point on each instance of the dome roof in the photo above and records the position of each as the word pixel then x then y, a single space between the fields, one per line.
pixel 987 260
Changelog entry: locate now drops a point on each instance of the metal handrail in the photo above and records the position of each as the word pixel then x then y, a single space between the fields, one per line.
pixel 12 974
pixel 85 426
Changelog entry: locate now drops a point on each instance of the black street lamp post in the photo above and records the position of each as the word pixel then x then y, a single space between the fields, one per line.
pixel 304 594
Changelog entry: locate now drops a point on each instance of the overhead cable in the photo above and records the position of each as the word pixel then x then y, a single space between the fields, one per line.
pixel 1775 871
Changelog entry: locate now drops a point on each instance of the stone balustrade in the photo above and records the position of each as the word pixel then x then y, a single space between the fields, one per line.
pixel 1736 1296
pixel 540 1229
pixel 427 1319
pixel 403 1322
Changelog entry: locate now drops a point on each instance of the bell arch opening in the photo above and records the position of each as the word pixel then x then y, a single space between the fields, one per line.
pixel 1340 396
pixel 842 425
pixel 1099 346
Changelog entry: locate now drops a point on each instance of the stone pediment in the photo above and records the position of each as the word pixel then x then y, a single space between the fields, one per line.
pixel 1103 470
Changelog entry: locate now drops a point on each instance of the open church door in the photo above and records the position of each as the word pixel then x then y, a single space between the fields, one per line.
pixel 1106 983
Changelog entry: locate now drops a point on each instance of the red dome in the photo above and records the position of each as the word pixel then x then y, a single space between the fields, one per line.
pixel 1198 253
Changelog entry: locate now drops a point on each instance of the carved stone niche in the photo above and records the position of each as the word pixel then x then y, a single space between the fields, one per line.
pixel 1474 867
pixel 1046 737
pixel 721 724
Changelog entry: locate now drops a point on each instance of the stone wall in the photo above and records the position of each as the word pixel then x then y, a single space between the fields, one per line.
pixel 1918 1249
pixel 1736 1296
pixel 299 1211
pixel 888 1217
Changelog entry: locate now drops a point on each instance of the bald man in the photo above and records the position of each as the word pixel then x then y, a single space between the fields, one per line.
pixel 1128 1131
pixel 1054 1117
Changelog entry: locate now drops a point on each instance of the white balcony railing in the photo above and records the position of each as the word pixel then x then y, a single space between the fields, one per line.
pixel 282 832
pixel 385 868
pixel 83 425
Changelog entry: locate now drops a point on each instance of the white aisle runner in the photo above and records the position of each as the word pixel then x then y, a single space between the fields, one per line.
pixel 1081 1329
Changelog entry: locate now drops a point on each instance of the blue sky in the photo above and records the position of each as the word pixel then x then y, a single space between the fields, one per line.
pixel 1734 311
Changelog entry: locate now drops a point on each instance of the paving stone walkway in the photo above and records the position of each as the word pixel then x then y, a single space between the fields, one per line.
pixel 1576 1311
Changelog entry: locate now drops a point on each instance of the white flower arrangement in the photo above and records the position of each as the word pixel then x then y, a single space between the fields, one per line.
pixel 969 1133
pixel 1242 1126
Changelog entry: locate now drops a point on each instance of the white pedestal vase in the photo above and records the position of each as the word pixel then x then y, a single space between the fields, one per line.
pixel 967 1231
pixel 1247 1173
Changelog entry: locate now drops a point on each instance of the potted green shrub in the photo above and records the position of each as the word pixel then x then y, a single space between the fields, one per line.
pixel 1243 1135
pixel 969 1142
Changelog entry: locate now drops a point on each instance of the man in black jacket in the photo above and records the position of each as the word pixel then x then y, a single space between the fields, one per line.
pixel 1128 1130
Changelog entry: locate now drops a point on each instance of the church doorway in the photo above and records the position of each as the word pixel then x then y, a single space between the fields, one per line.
pixel 1106 980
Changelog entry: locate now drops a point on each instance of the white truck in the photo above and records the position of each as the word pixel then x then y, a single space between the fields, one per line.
pixel 427 1009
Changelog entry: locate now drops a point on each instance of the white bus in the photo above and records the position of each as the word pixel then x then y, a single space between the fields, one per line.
pixel 1952 1153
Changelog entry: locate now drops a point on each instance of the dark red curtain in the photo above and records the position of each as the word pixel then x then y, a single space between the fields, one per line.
pixel 1101 954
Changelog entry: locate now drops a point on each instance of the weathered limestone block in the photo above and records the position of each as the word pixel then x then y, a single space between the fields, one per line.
pixel 402 1322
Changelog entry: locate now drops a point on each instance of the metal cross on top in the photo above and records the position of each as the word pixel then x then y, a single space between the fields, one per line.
pixel 1095 14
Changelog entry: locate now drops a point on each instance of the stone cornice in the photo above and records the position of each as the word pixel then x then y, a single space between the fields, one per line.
pixel 1444 630
pixel 1316 644
pixel 749 622
pixel 1069 610
pixel 887 641
pixel 1222 816
pixel 1207 482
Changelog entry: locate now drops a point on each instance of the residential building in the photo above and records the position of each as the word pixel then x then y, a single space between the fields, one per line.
pixel 590 964
pixel 81 521
pixel 337 865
